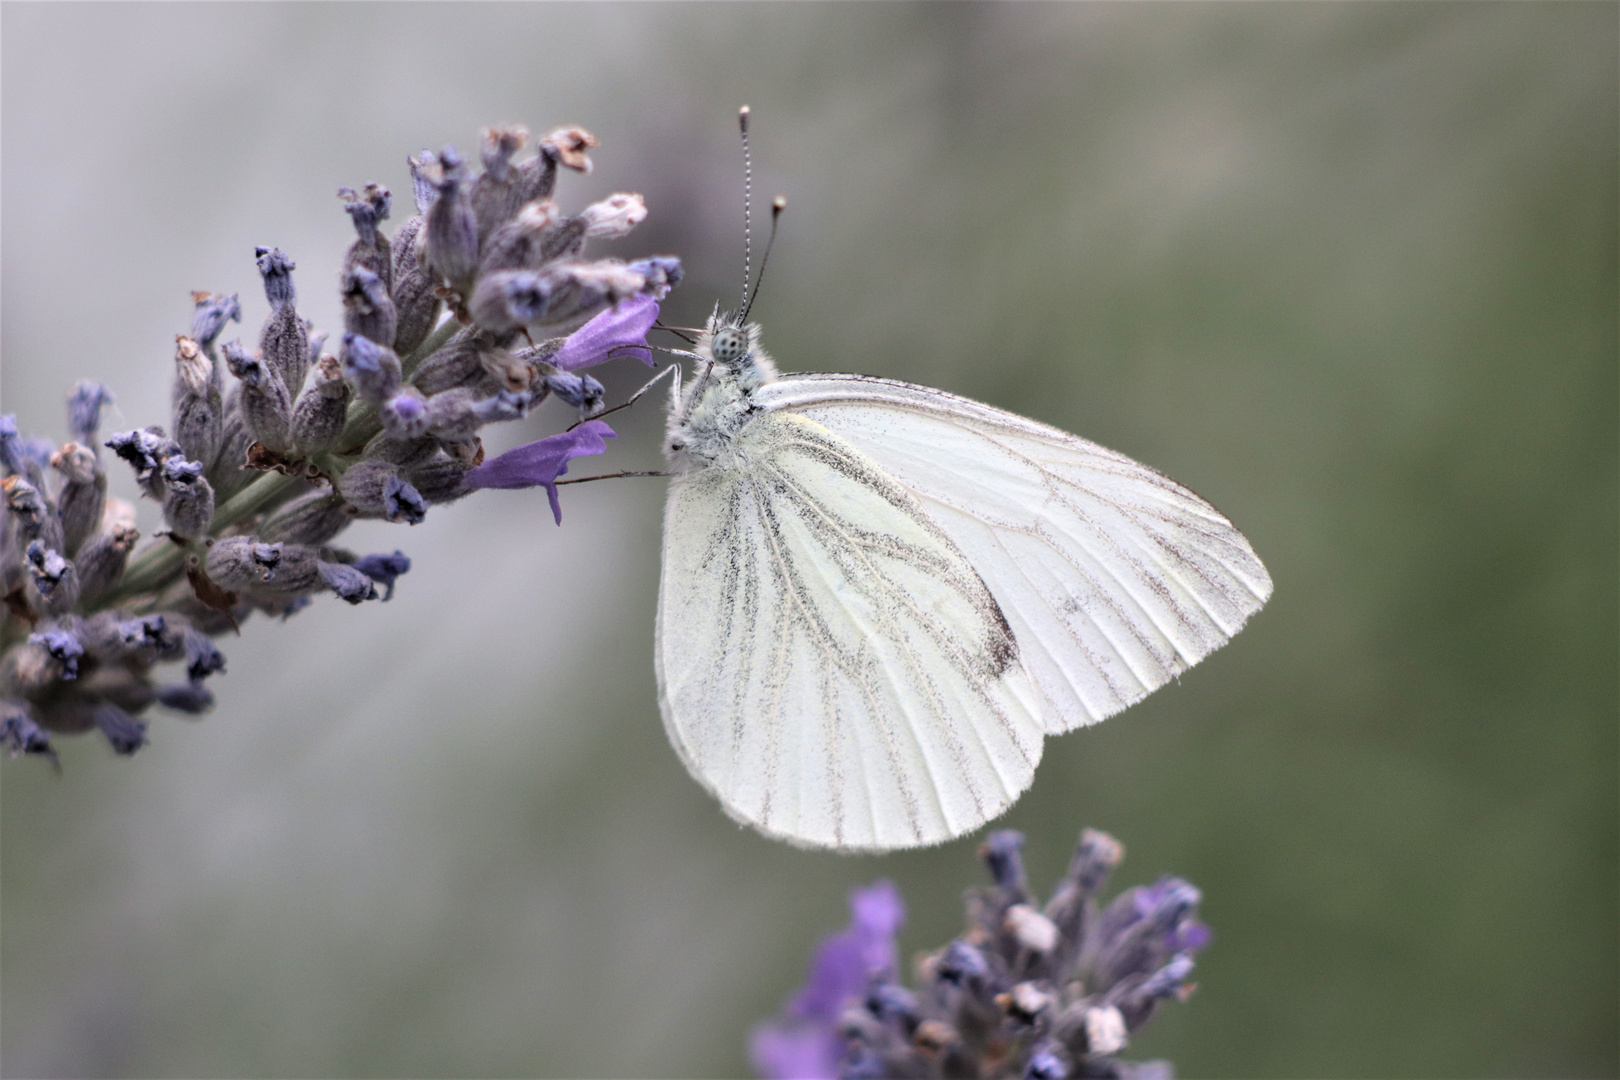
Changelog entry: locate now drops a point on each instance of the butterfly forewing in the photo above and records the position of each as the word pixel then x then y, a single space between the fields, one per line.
pixel 831 664
pixel 1113 577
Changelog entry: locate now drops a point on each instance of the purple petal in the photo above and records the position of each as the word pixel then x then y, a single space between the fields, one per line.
pixel 538 464
pixel 783 1051
pixel 845 962
pixel 623 326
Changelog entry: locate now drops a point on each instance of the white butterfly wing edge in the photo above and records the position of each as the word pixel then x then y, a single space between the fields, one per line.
pixel 1113 577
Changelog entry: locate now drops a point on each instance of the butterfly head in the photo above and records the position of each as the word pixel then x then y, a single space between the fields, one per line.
pixel 733 348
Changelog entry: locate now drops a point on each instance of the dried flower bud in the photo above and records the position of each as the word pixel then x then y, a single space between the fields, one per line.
pixel 284 341
pixel 30 517
pixel 192 698
pixel 401 453
pixel 125 733
pixel 211 312
pixel 452 226
pixel 239 562
pixel 264 401
pixel 228 473
pixel 370 248
pixel 662 273
pixel 64 647
pixel 580 391
pixel 564 146
pixel 55 583
pixel 101 560
pixel 314 518
pixel 405 415
pixel 496 194
pixel 375 489
pixel 146 451
pixel 188 505
pixel 84 411
pixel 414 291
pixel 20 734
pixel 520 244
pixel 367 308
pixel 440 479
pixel 319 415
pixel 458 414
pixel 384 569
pixel 614 216
pixel 373 370
pixel 1031 929
pixel 422 188
pixel 196 402
pixel 347 582
pixel 83 495
pixel 296 571
pixel 458 364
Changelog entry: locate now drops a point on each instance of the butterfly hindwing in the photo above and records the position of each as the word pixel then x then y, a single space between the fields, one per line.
pixel 830 663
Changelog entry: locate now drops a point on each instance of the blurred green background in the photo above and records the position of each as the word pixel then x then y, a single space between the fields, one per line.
pixel 1349 270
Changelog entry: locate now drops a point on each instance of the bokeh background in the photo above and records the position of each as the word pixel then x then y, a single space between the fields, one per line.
pixel 1349 270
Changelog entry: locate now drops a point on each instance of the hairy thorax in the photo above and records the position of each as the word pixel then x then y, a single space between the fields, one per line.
pixel 706 416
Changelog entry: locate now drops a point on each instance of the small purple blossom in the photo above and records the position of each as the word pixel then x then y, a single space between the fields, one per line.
pixel 804 1042
pixel 621 330
pixel 384 569
pixel 1044 994
pixel 540 463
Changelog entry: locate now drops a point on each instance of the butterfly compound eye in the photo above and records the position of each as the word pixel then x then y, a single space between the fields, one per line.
pixel 729 345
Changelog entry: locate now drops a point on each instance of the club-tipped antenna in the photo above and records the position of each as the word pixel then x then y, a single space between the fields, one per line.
pixel 748 203
pixel 778 205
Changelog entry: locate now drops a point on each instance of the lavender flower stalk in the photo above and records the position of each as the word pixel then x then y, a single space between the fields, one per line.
pixel 1040 993
pixel 277 446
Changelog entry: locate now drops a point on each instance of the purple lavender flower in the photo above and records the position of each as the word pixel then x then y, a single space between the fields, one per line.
pixel 540 463
pixel 1043 994
pixel 619 331
pixel 805 1042
pixel 265 468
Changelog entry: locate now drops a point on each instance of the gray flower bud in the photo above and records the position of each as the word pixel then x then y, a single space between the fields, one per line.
pixel 373 370
pixel 370 248
pixel 367 308
pixel 497 193
pixel 228 474
pixel 30 517
pixel 452 227
pixel 188 506
pixel 196 401
pixel 520 244
pixel 54 583
pixel 347 582
pixel 564 146
pixel 83 496
pixel 321 410
pixel 405 415
pixel 614 216
pixel 264 401
pixel 441 479
pixel 284 341
pixel 296 571
pixel 313 518
pixel 414 290
pixel 239 562
pixel 375 489
pixel 101 560
pixel 458 363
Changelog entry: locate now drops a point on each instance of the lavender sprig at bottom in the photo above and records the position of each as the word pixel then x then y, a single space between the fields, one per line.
pixel 1040 993
pixel 472 312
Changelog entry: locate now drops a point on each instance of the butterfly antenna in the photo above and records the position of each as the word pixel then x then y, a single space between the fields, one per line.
pixel 778 205
pixel 748 204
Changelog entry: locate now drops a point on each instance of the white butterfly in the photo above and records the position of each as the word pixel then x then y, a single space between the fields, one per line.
pixel 878 599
